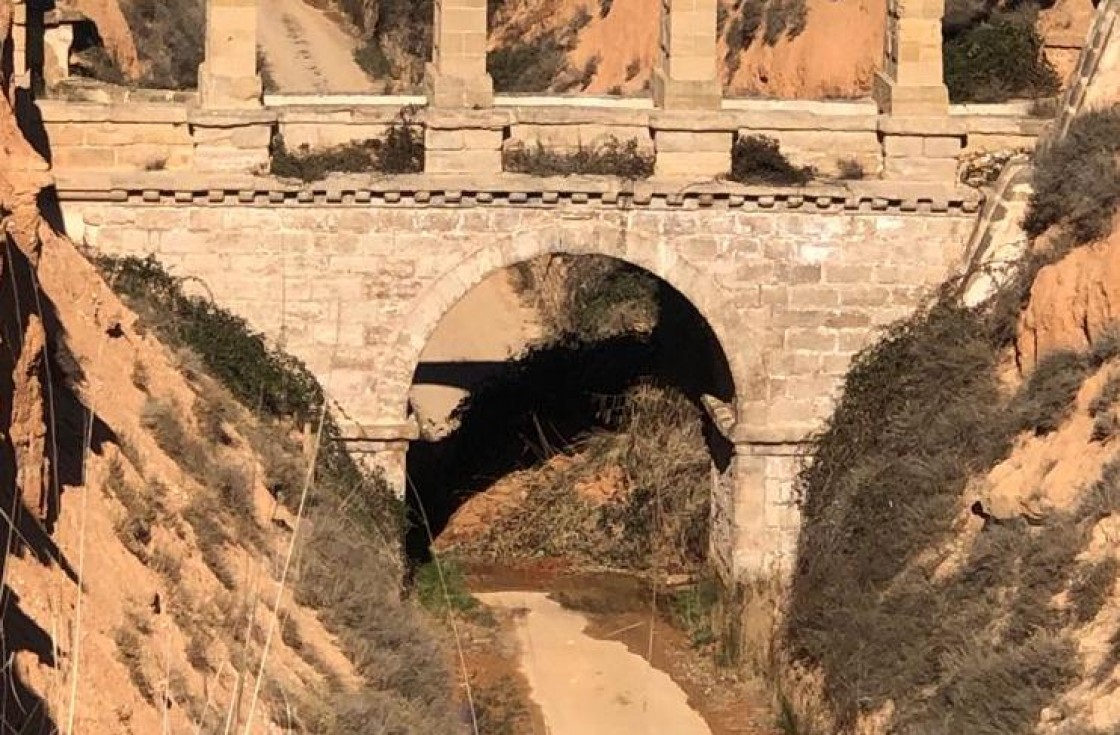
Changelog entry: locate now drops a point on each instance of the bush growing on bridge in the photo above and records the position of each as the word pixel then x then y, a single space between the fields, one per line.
pixel 757 159
pixel 401 151
pixel 1077 179
pixel 608 158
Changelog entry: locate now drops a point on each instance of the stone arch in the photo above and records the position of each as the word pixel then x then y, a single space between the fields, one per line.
pixel 736 338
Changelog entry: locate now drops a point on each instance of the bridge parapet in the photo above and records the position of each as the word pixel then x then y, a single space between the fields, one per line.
pixel 177 135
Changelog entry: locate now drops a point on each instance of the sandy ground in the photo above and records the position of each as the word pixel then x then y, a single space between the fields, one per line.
pixel 307 52
pixel 585 686
pixel 489 325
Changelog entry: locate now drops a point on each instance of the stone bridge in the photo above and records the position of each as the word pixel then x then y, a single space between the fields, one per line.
pixel 353 274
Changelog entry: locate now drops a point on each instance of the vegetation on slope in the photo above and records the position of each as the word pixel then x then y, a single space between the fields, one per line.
pixel 632 494
pixel 744 20
pixel 349 566
pixel 1076 181
pixel 993 55
pixel 896 618
pixel 169 40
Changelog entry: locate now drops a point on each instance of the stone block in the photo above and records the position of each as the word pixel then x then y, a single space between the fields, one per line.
pixel 220 90
pixel 463 161
pixel 153 157
pixel 919 100
pixel 89 157
pixel 942 147
pixel 226 159
pixel 683 94
pixel 815 340
pixel 240 136
pixel 692 165
pixel 942 170
pixel 446 90
pixel 66 134
pixel 903 145
pixel 681 141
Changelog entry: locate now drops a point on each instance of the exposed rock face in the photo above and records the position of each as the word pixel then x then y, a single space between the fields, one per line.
pixel 1073 302
pixel 22 175
pixel 114 31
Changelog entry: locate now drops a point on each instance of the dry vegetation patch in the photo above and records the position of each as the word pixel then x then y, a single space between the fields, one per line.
pixel 399 151
pixel 609 157
pixel 632 497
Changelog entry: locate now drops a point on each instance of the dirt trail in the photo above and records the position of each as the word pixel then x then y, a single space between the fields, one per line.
pixel 307 52
pixel 488 326
pixel 585 686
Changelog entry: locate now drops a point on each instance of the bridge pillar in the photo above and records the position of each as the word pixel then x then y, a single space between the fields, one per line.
pixel 456 76
pixel 460 135
pixel 911 82
pixel 228 77
pixel 384 450
pixel 21 68
pixel 686 75
pixel 920 141
pixel 764 515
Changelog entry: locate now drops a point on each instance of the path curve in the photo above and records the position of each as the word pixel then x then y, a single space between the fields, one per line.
pixel 585 686
pixel 307 52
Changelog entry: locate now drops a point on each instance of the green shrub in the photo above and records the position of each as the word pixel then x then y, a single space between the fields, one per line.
pixel 692 609
pixel 169 40
pixel 1076 180
pixel 441 587
pixel 608 158
pixel 997 59
pixel 757 159
pixel 401 151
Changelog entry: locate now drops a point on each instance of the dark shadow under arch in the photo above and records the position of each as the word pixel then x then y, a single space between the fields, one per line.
pixel 553 396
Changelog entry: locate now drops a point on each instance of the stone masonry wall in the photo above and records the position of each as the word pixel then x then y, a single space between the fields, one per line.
pixel 792 286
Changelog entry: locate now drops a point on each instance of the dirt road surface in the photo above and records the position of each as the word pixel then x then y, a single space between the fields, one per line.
pixel 585 686
pixel 306 52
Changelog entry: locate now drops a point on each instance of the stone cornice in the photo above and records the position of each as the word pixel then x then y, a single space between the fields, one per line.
pixel 512 190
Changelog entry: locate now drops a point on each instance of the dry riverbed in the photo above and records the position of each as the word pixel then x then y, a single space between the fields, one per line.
pixel 607 667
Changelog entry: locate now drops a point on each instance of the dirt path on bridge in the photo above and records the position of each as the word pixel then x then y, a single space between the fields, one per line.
pixel 308 53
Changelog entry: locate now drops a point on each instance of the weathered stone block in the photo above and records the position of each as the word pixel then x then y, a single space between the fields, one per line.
pixel 463 161
pixel 942 147
pixel 921 169
pixel 903 145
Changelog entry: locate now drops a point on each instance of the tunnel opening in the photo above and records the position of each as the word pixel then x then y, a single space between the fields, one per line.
pixel 584 435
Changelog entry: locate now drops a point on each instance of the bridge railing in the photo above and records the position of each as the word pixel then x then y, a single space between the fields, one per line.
pixel 177 135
